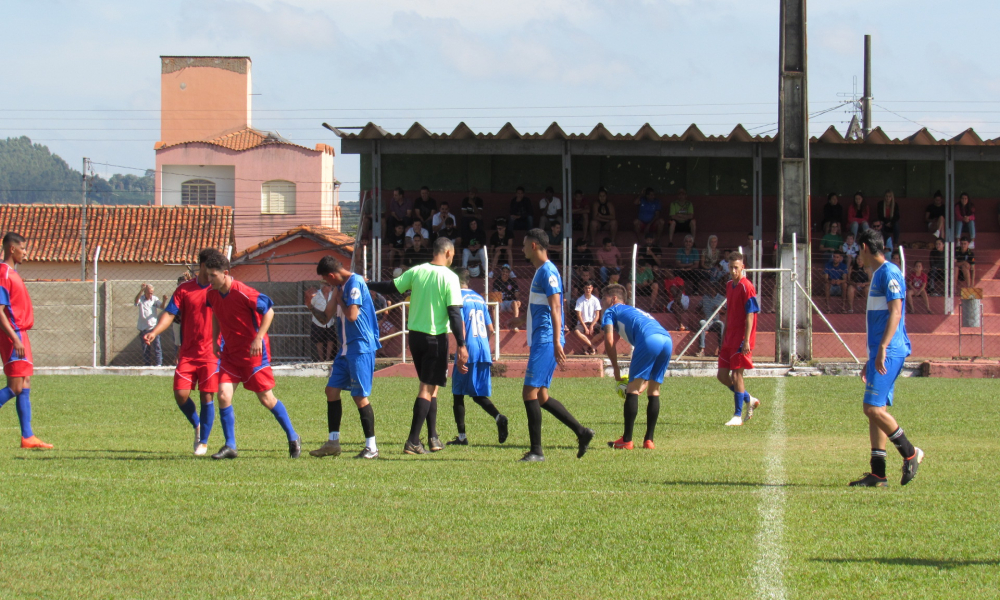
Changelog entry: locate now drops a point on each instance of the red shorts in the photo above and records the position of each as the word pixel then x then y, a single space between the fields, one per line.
pixel 732 359
pixel 202 375
pixel 254 376
pixel 12 365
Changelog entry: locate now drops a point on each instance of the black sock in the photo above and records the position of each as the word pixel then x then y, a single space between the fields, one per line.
pixel 367 420
pixel 878 462
pixel 432 418
pixel 484 402
pixel 652 414
pixel 631 410
pixel 557 410
pixel 898 438
pixel 460 413
pixel 534 425
pixel 420 409
pixel 334 412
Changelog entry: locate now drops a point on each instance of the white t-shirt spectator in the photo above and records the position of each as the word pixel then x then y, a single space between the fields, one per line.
pixel 588 308
pixel 551 208
pixel 423 233
pixel 319 302
pixel 147 312
pixel 437 220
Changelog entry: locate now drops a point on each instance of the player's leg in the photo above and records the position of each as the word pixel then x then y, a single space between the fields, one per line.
pixel 362 374
pixel 557 410
pixel 190 410
pixel 277 408
pixel 656 375
pixel 208 386
pixel 638 373
pixel 879 391
pixel 227 417
pixel 340 378
pixel 18 372
pixel 459 387
pixel 482 389
pixel 534 413
pixel 433 441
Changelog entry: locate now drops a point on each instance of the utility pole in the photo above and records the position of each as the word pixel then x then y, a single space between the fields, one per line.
pixel 866 100
pixel 83 223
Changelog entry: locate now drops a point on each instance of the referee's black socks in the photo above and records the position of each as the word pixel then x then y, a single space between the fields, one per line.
pixel 898 438
pixel 534 425
pixel 652 414
pixel 631 410
pixel 420 409
pixel 432 418
pixel 557 410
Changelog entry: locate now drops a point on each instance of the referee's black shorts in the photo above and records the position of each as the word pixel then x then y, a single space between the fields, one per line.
pixel 430 357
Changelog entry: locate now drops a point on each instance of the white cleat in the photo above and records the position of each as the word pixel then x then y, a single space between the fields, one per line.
pixel 734 422
pixel 201 449
pixel 751 405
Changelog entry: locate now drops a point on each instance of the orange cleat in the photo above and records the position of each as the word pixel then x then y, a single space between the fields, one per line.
pixel 620 444
pixel 34 442
pixel 649 445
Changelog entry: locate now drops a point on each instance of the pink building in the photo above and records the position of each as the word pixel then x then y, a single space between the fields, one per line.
pixel 209 154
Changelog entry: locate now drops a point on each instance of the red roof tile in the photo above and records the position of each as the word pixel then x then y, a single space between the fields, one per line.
pixel 325 236
pixel 243 139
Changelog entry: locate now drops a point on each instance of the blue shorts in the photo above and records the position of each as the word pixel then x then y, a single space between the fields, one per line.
pixel 650 358
pixel 879 388
pixel 541 366
pixel 353 372
pixel 477 382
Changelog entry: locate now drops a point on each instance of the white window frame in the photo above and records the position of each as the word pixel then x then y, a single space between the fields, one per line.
pixel 277 197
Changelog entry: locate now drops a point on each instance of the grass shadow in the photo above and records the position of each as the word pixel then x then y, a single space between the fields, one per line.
pixel 942 564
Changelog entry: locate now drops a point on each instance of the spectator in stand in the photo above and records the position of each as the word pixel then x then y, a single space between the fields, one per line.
pixel 965 218
pixel 400 211
pixel 670 281
pixel 887 211
pixel 858 214
pixel 443 218
pixel 649 253
pixel 832 241
pixel 583 264
pixel 916 287
pixel 686 263
pixel 877 226
pixel 748 253
pixel 850 248
pixel 501 241
pixel 603 215
pixel 935 279
pixel 448 227
pixel 720 272
pixel 711 301
pixel 897 259
pixel 935 215
pixel 555 242
pixel 472 212
pixel 965 262
pixel 646 285
pixel 588 313
pixel 835 278
pixel 833 212
pixel 385 324
pixel 416 229
pixel 397 244
pixel 418 253
pixel 473 257
pixel 551 208
pixel 648 216
pixel 321 334
pixel 424 207
pixel 522 215
pixel 681 217
pixel 507 286
pixel 582 208
pixel 146 300
pixel 607 257
pixel 858 278
pixel 678 305
pixel 710 257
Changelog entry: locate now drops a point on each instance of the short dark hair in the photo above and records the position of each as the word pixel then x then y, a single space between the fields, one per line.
pixel 442 245
pixel 578 192
pixel 607 240
pixel 736 255
pixel 581 242
pixel 205 253
pixel 616 290
pixel 647 191
pixel 556 224
pixel 938 194
pixel 443 203
pixel 424 187
pixel 217 262
pixel 549 190
pixel 519 188
pixel 328 265
pixel 589 282
pixel 832 195
pixel 873 239
pixel 964 238
pixel 400 190
pixel 838 253
pixel 538 236
pixel 602 189
pixel 416 220
pixel 463 275
pixel 12 238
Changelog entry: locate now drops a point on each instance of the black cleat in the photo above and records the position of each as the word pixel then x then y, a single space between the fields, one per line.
pixel 367 453
pixel 910 466
pixel 458 442
pixel 502 429
pixel 417 448
pixel 295 448
pixel 870 480
pixel 225 452
pixel 584 440
pixel 434 444
pixel 531 457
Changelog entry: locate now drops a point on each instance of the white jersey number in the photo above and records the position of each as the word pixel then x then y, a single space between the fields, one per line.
pixel 478 322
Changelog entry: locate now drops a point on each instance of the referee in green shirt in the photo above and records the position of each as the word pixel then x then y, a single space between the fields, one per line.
pixel 435 301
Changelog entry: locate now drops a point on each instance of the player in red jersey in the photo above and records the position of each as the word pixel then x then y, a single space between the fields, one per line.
pixel 736 353
pixel 17 317
pixel 243 315
pixel 197 365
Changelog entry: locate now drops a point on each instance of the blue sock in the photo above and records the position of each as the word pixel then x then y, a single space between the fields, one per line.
pixel 190 412
pixel 207 420
pixel 738 400
pixel 5 395
pixel 228 419
pixel 281 415
pixel 23 406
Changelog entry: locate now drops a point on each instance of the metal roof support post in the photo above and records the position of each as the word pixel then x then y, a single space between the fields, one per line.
pixel 567 226
pixel 793 183
pixel 866 100
pixel 377 212
pixel 757 251
pixel 949 230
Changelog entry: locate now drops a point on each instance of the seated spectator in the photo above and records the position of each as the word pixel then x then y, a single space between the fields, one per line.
pixel 502 242
pixel 648 216
pixel 935 276
pixel 850 248
pixel 649 253
pixel 833 212
pixel 710 257
pixel 582 256
pixel 670 281
pixel 474 230
pixel 877 226
pixel 418 253
pixel 965 218
pixel 385 324
pixel 424 207
pixel 832 241
pixel 581 209
pixel 965 262
pixel 588 316
pixel 507 286
pixel 916 287
pixel 522 214
pixel 555 242
pixel 858 285
pixel 551 208
pixel 897 259
pixel 686 262
pixel 681 217
pixel 472 212
pixel 607 257
pixel 887 211
pixel 416 229
pixel 397 245
pixel 720 272
pixel 603 216
pixel 858 214
pixel 934 214
pixel 473 257
pixel 835 278
pixel 712 300
pixel 400 211
pixel 678 305
pixel 646 285
pixel 443 218
pixel 450 231
pixel 748 253
pixel 580 277
pixel 615 277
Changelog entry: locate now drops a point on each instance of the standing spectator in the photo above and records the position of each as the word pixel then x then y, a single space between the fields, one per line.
pixel 416 229
pixel 916 287
pixel 582 208
pixel 681 217
pixel 607 257
pixel 397 244
pixel 850 248
pixel 936 273
pixel 507 286
pixel 551 208
pixel 650 253
pixel 887 211
pixel 832 241
pixel 321 333
pixel 935 215
pixel 965 218
pixel 646 285
pixel 588 314
pixel 522 215
pixel 502 241
pixel 473 257
pixel 152 353
pixel 472 212
pixel 709 303
pixel 603 215
pixel 425 206
pixel 858 214
pixel 686 263
pixel 833 212
pixel 835 278
pixel 965 262
pixel 417 254
pixel 400 211
pixel 648 215
pixel 858 278
pixel 555 242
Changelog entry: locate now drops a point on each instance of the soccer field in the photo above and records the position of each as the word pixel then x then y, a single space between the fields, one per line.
pixel 122 509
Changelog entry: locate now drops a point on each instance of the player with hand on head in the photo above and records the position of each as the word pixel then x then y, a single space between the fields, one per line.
pixel 474 378
pixel 354 366
pixel 888 347
pixel 243 315
pixel 651 349
pixel 17 317
pixel 736 353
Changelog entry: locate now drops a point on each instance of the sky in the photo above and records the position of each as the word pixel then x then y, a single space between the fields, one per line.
pixel 83 78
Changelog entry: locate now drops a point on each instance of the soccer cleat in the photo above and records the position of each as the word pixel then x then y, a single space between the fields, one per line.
pixel 458 442
pixel 33 443
pixel 197 438
pixel 910 466
pixel 620 444
pixel 201 450
pixel 225 452
pixel 367 453
pixel 531 457
pixel 295 448
pixel 329 448
pixel 502 432
pixel 870 480
pixel 417 448
pixel 434 444
pixel 583 440
pixel 649 445
pixel 750 406
pixel 734 422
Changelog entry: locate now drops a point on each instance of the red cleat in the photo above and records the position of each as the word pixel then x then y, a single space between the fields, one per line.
pixel 649 445
pixel 34 442
pixel 620 444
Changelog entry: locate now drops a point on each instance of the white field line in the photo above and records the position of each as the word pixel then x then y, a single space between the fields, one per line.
pixel 768 575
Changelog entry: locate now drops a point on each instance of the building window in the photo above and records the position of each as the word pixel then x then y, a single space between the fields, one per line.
pixel 195 192
pixel 277 198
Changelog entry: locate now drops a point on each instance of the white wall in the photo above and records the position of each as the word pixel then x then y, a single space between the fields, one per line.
pixel 222 175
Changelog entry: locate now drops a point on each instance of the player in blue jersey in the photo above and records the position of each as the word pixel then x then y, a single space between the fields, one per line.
pixel 651 349
pixel 888 347
pixel 545 337
pixel 354 366
pixel 473 378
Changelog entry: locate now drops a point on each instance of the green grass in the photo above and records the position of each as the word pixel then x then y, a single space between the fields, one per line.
pixel 121 508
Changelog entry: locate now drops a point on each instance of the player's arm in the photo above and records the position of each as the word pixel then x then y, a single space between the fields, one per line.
pixel 257 346
pixel 386 287
pixel 752 308
pixel 555 307
pixel 610 350
pixel 895 316
pixel 351 311
pixel 215 336
pixel 162 324
pixel 8 330
pixel 458 330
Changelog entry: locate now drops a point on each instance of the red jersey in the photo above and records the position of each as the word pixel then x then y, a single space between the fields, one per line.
pixel 15 299
pixel 239 314
pixel 741 299
pixel 190 305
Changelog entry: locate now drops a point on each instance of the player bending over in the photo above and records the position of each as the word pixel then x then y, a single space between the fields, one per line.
pixel 652 347
pixel 474 378
pixel 545 337
pixel 736 353
pixel 197 364
pixel 888 347
pixel 243 315
pixel 17 317
pixel 354 366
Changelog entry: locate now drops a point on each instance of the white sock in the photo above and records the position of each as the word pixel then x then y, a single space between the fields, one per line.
pixel 334 436
pixel 370 443
pixel 461 436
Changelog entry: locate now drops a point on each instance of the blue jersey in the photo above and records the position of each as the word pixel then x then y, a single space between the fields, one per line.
pixel 632 324
pixel 476 316
pixel 887 285
pixel 546 283
pixel 360 336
